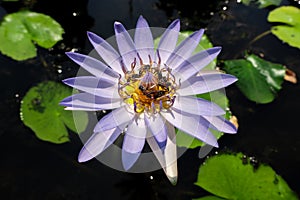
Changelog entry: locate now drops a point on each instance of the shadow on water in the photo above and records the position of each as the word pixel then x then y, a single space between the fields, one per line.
pixel 32 169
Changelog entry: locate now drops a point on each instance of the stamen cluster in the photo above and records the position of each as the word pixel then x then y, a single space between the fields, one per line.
pixel 149 87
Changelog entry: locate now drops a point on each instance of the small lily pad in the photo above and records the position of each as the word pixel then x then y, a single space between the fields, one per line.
pixel 40 111
pixel 258 79
pixel 233 177
pixel 209 198
pixel 289 28
pixel 19 30
pixel 262 3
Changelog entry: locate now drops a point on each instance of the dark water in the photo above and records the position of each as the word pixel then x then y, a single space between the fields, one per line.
pixel 33 169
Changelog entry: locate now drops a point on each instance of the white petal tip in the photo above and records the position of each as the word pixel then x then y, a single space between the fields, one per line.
pixel 173 180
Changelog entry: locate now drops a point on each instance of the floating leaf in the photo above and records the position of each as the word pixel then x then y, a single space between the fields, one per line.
pixel 232 177
pixel 18 30
pixel 259 80
pixel 289 29
pixel 40 110
pixel 266 3
pixel 262 3
pixel 209 198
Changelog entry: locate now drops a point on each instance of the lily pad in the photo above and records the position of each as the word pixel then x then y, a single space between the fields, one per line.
pixel 19 30
pixel 289 28
pixel 262 3
pixel 40 111
pixel 209 198
pixel 233 177
pixel 258 79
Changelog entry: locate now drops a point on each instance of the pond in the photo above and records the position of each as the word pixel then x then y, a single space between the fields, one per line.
pixel 35 169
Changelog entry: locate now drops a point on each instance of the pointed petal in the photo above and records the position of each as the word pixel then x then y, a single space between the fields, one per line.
pixel 114 119
pixel 197 106
pixel 157 126
pixel 205 83
pixel 125 45
pixel 94 66
pixel 171 155
pixel 110 56
pixel 221 124
pixel 85 101
pixel 98 142
pixel 195 63
pixel 143 40
pixel 133 144
pixel 194 125
pixel 168 41
pixel 184 50
pixel 167 157
pixel 97 86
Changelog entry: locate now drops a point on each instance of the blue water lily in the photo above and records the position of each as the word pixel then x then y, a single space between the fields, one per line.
pixel 150 92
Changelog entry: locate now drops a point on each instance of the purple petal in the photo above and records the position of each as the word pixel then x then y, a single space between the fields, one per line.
pixel 185 49
pixel 221 124
pixel 157 126
pixel 191 124
pixel 143 40
pixel 98 142
pixel 114 119
pixel 197 106
pixel 168 41
pixel 88 102
pixel 195 63
pixel 94 66
pixel 106 51
pixel 133 143
pixel 125 45
pixel 167 157
pixel 97 86
pixel 170 155
pixel 205 83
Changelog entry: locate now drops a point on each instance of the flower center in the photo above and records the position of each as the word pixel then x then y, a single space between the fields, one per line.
pixel 148 88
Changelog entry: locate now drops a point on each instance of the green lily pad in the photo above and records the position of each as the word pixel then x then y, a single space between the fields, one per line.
pixel 289 29
pixel 209 198
pixel 233 177
pixel 258 80
pixel 262 3
pixel 40 111
pixel 19 30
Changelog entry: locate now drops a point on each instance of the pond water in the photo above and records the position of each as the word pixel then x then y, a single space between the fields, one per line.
pixel 33 169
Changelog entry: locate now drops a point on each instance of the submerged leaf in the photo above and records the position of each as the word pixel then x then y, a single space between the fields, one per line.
pixel 18 30
pixel 259 80
pixel 233 177
pixel 289 29
pixel 40 110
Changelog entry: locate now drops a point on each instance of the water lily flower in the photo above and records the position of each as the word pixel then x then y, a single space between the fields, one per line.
pixel 150 92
